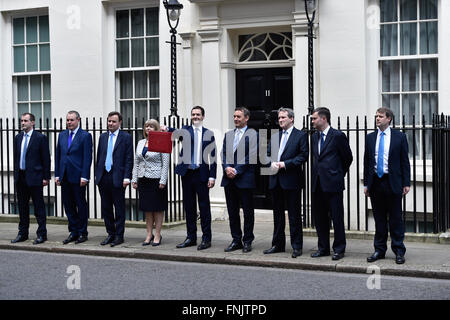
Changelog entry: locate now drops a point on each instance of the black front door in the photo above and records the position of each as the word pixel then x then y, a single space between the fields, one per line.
pixel 263 91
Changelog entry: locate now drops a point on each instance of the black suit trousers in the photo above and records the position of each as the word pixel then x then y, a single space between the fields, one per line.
pixel 193 187
pixel 287 199
pixel 24 193
pixel 75 206
pixel 112 201
pixel 237 197
pixel 324 205
pixel 385 203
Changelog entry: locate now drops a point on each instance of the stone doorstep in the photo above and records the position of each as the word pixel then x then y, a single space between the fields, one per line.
pixel 442 238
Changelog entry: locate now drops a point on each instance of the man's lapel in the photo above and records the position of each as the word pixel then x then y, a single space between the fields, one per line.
pixel 328 139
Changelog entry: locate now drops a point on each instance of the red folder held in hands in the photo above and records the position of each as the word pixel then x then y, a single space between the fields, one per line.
pixel 160 141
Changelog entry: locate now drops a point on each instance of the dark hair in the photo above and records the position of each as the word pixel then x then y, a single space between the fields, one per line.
pixel 115 113
pixel 76 114
pixel 200 108
pixel 388 112
pixel 32 118
pixel 244 110
pixel 323 112
pixel 289 111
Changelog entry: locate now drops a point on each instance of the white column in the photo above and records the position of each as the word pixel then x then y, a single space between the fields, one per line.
pixel 211 91
pixel 187 80
pixel 300 71
pixel 444 56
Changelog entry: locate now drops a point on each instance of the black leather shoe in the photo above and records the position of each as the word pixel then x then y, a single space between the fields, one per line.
pixel 399 259
pixel 247 247
pixel 20 238
pixel 187 243
pixel 296 253
pixel 319 253
pixel 375 256
pixel 40 240
pixel 337 256
pixel 155 244
pixel 204 245
pixel 81 239
pixel 71 238
pixel 234 246
pixel 274 249
pixel 117 241
pixel 108 240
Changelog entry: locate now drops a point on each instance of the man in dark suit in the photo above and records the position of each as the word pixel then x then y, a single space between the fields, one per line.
pixel 31 174
pixel 73 160
pixel 113 175
pixel 239 158
pixel 198 174
pixel 386 180
pixel 286 183
pixel 331 160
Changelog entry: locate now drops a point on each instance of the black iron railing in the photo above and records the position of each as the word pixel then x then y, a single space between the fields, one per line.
pixel 426 207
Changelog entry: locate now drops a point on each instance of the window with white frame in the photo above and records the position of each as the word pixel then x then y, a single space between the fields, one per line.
pixel 137 64
pixel 31 67
pixel 408 64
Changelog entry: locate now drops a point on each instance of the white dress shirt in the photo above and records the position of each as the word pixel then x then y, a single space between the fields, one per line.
pixel 199 144
pixel 22 146
pixel 288 134
pixel 325 132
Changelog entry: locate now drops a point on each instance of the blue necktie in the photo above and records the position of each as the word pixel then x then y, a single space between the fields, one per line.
pixel 108 162
pixel 380 160
pixel 70 139
pixel 322 141
pixel 194 164
pixel 236 139
pixel 283 144
pixel 24 152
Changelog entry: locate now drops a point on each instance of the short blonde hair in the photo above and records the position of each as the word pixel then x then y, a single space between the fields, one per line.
pixel 153 124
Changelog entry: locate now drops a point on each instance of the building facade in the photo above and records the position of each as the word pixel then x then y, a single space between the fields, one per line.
pixel 96 56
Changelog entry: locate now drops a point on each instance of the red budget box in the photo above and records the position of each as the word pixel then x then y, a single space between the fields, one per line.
pixel 160 141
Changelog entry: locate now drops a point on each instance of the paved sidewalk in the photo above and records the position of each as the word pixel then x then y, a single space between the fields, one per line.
pixel 423 259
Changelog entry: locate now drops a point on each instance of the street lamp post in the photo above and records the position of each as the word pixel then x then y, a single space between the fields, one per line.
pixel 310 9
pixel 173 10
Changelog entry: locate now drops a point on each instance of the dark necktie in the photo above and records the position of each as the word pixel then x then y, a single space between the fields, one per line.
pixel 70 139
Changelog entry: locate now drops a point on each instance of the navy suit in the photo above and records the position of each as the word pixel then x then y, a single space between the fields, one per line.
pixel 285 186
pixel 239 191
pixel 71 164
pixel 386 192
pixel 327 185
pixel 195 183
pixel 28 182
pixel 110 183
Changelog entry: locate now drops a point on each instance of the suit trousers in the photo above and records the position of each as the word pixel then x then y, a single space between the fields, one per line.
pixel 112 202
pixel 287 199
pixel 194 188
pixel 24 193
pixel 75 206
pixel 235 198
pixel 325 204
pixel 384 203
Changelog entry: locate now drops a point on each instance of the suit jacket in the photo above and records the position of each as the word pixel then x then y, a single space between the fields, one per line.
pixel 244 159
pixel 398 163
pixel 295 153
pixel 37 158
pixel 333 162
pixel 122 158
pixel 208 167
pixel 153 165
pixel 74 162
